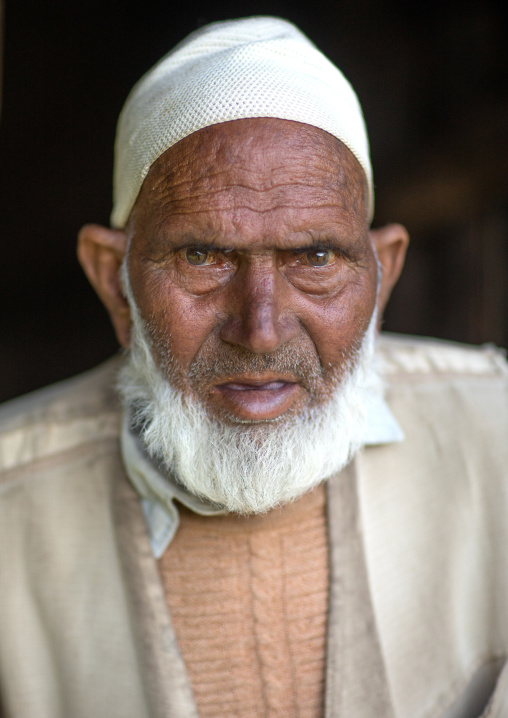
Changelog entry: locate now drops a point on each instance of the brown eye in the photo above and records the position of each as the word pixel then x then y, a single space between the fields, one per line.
pixel 318 258
pixel 196 257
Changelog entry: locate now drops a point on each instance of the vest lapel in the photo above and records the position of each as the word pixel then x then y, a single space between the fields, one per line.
pixel 356 682
pixel 167 686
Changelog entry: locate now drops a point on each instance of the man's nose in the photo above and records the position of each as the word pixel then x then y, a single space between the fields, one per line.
pixel 259 319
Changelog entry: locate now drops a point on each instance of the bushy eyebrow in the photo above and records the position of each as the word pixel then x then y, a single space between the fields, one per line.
pixel 348 250
pixel 217 246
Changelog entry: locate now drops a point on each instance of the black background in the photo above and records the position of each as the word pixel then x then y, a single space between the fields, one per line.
pixel 432 80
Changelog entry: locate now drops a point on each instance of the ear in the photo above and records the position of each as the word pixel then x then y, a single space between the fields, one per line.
pixel 101 252
pixel 391 243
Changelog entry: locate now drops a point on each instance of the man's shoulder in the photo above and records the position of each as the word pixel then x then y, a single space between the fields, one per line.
pixel 60 417
pixel 447 397
pixel 405 357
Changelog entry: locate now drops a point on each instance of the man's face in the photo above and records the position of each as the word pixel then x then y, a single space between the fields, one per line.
pixel 252 268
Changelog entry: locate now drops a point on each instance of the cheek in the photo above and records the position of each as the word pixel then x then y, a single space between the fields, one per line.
pixel 338 324
pixel 178 323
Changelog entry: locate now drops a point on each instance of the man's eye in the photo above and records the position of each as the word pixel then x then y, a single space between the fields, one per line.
pixel 319 258
pixel 197 257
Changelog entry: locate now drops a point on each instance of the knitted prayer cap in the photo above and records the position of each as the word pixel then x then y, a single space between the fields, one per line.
pixel 253 67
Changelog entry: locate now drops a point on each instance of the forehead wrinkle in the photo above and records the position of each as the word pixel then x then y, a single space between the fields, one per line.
pixel 244 144
pixel 324 149
pixel 192 169
pixel 235 231
pixel 267 177
pixel 178 209
pixel 198 197
pixel 236 175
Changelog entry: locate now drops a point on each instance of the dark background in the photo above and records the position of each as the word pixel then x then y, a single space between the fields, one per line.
pixel 432 79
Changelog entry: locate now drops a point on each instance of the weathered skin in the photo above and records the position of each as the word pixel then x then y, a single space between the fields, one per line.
pixel 249 251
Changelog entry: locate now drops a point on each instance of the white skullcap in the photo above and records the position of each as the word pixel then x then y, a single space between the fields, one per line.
pixel 255 67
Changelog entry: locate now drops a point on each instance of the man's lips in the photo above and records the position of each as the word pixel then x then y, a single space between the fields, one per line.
pixel 257 398
pixel 255 385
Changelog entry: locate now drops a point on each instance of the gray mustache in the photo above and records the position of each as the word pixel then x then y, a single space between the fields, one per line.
pixel 209 366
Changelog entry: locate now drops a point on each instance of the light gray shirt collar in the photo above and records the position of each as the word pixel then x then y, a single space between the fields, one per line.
pixel 158 489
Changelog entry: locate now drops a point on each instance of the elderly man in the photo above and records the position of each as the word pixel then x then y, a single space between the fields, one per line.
pixel 271 536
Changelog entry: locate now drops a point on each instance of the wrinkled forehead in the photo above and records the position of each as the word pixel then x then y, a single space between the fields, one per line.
pixel 265 157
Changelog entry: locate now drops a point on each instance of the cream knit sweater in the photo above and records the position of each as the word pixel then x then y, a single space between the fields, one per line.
pixel 248 599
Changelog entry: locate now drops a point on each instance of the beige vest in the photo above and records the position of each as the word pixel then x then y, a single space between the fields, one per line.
pixel 418 624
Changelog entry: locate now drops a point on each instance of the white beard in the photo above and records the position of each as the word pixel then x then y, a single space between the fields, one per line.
pixel 246 468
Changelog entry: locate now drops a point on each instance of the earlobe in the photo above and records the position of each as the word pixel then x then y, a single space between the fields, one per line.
pixel 101 252
pixel 390 243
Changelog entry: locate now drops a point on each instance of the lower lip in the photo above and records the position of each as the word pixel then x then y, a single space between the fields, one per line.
pixel 261 402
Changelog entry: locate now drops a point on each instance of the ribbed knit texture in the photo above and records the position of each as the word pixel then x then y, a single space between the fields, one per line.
pixel 248 600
